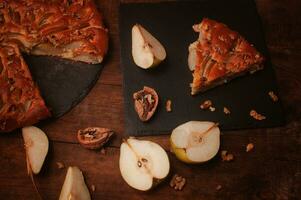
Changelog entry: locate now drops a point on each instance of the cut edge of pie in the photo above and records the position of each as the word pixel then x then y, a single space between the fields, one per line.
pixel 21 103
pixel 219 55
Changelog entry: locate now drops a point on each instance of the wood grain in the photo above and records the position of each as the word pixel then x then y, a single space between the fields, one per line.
pixel 271 171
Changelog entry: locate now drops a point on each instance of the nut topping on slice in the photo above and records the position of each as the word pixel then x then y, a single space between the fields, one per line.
pixel 146 102
pixel 94 137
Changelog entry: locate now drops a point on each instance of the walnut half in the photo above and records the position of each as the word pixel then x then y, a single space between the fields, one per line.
pixel 146 102
pixel 94 137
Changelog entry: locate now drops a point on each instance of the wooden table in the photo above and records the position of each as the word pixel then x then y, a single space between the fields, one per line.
pixel 271 171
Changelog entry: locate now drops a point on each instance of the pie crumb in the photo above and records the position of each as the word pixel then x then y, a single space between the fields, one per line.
pixel 206 104
pixel 249 147
pixel 256 115
pixel 212 109
pixel 273 96
pixel 226 111
pixel 168 105
pixel 227 156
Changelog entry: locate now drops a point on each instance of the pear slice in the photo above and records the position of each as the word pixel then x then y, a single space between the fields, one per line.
pixel 195 141
pixel 36 146
pixel 74 187
pixel 147 51
pixel 143 164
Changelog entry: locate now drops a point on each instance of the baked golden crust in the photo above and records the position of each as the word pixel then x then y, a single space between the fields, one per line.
pixel 220 54
pixel 20 101
pixel 70 29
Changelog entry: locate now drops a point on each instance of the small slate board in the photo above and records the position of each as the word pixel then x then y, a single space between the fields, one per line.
pixel 172 24
pixel 63 83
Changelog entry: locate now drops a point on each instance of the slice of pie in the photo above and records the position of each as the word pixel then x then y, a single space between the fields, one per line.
pixel 71 29
pixel 20 101
pixel 219 55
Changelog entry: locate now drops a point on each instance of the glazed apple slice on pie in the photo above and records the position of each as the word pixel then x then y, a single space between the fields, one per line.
pixel 219 55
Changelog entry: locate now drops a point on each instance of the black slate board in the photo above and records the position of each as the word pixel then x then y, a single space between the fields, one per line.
pixel 172 24
pixel 63 83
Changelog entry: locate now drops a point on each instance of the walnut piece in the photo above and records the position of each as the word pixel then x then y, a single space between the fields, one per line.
pixel 60 165
pixel 226 111
pixel 93 188
pixel 146 102
pixel 177 182
pixel 168 106
pixel 212 109
pixel 227 156
pixel 206 105
pixel 94 137
pixel 218 187
pixel 256 115
pixel 249 147
pixel 273 96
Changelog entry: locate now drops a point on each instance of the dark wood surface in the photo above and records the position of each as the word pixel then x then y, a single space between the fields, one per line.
pixel 271 171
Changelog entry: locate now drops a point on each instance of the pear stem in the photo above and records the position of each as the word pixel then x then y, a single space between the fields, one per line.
pixel 209 129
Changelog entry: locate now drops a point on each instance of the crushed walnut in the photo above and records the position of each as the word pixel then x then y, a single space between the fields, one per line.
pixel 212 109
pixel 168 106
pixel 249 147
pixel 177 182
pixel 218 187
pixel 93 188
pixel 206 105
pixel 60 165
pixel 227 156
pixel 256 115
pixel 273 96
pixel 226 111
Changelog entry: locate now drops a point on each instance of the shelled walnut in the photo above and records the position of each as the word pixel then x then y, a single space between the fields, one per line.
pixel 94 137
pixel 146 102
pixel 177 182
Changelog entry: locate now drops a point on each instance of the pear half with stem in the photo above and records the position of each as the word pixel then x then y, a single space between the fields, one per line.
pixel 74 187
pixel 36 147
pixel 147 51
pixel 195 141
pixel 143 164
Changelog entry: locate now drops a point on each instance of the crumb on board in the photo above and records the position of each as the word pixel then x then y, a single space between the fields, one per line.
pixel 168 105
pixel 206 104
pixel 257 116
pixel 249 147
pixel 212 109
pixel 273 96
pixel 227 156
pixel 226 111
